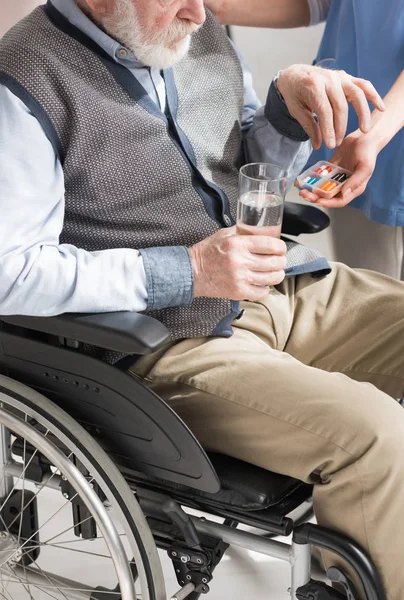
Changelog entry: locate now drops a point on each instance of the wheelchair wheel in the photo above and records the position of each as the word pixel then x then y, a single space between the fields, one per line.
pixel 70 527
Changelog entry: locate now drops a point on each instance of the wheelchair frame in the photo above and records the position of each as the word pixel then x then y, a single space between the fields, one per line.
pixel 163 464
pixel 167 453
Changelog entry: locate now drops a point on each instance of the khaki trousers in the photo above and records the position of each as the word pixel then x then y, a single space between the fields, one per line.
pixel 306 388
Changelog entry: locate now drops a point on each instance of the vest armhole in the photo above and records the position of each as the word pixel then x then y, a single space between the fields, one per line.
pixel 39 113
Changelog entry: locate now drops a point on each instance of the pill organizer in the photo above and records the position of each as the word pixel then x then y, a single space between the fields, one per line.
pixel 323 179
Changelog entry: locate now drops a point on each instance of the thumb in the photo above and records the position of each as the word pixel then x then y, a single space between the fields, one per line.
pixel 358 179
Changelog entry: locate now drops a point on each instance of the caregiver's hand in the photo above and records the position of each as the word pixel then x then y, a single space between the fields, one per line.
pixel 357 153
pixel 307 90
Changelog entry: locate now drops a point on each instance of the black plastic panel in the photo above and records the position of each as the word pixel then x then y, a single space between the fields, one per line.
pixel 128 419
pixel 127 332
pixel 301 218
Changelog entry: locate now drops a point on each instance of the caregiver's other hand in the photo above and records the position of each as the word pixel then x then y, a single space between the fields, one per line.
pixel 357 153
pixel 307 90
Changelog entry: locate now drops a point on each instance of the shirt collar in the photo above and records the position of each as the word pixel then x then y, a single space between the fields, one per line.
pixel 75 16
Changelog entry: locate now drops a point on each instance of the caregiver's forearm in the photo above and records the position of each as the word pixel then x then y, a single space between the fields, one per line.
pixel 261 13
pixel 386 124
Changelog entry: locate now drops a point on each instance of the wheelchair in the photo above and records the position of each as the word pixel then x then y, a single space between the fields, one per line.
pixel 97 472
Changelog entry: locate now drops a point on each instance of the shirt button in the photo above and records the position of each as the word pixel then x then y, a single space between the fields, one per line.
pixel 227 221
pixel 123 52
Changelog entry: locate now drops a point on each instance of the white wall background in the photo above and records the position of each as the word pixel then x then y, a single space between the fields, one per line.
pixel 12 11
pixel 268 50
pixel 265 51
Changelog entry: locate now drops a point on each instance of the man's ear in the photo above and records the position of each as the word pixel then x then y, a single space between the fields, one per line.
pixel 97 7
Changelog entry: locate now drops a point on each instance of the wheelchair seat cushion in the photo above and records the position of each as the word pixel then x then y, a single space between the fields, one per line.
pixel 250 488
pixel 244 487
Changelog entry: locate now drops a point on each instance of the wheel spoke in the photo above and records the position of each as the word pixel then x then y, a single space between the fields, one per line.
pixel 68 528
pixel 24 456
pixel 59 585
pixel 81 540
pixel 47 578
pixel 22 474
pixel 43 525
pixel 24 545
pixel 4 587
pixel 59 547
pixel 42 431
pixel 36 494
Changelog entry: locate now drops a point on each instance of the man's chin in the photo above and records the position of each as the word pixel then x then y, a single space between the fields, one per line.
pixel 163 57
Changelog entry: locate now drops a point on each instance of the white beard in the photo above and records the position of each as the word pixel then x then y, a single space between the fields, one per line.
pixel 156 51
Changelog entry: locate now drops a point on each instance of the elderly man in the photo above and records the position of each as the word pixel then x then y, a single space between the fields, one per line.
pixel 120 141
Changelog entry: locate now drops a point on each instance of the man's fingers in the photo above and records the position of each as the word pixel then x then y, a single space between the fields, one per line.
pixel 259 289
pixel 339 105
pixel 370 92
pixel 254 293
pixel 358 100
pixel 266 264
pixel 309 124
pixel 324 112
pixel 264 244
pixel 272 278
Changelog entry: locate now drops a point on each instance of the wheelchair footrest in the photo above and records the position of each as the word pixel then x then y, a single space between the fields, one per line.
pixel 194 560
pixel 317 590
pixel 184 592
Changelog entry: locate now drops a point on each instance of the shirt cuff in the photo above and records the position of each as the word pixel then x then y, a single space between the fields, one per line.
pixel 170 277
pixel 279 116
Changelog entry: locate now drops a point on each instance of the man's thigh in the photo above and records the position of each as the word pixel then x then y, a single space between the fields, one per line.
pixel 244 398
pixel 350 322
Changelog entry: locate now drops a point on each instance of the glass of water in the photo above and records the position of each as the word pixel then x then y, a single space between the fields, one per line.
pixel 262 191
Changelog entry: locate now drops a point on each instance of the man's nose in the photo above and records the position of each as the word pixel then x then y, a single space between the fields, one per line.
pixel 194 11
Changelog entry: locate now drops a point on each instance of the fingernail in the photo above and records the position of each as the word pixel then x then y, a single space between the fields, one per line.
pixel 347 192
pixel 332 142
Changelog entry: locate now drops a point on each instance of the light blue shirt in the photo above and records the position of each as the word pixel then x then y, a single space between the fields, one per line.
pixel 40 276
pixel 366 39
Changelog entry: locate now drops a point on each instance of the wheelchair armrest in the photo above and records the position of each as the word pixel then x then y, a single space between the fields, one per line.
pixel 299 218
pixel 134 333
pixel 126 332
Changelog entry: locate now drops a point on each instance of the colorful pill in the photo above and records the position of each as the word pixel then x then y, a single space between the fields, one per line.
pixel 323 170
pixel 340 177
pixel 332 186
pixel 307 179
pixel 327 186
pixel 328 169
pixel 313 180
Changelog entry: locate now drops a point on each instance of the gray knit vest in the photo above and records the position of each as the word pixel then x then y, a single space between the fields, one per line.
pixel 128 184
